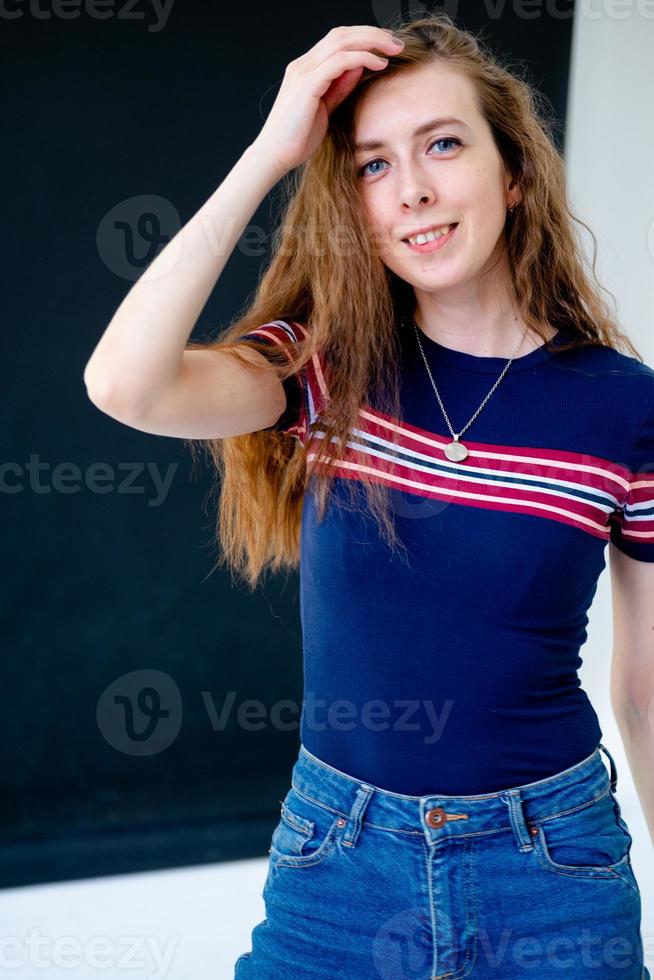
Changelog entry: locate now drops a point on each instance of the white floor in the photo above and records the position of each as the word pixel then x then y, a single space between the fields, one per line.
pixel 183 924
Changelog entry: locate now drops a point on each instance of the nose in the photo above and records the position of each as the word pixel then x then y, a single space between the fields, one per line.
pixel 410 199
pixel 415 188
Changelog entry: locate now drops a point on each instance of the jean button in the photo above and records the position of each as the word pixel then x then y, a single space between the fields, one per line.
pixel 436 817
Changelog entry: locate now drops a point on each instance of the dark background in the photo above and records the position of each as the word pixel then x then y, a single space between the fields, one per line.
pixel 119 124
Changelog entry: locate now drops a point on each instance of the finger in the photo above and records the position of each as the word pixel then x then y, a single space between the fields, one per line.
pixel 331 69
pixel 341 87
pixel 352 38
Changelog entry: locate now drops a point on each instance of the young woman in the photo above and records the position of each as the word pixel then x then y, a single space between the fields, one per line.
pixel 442 431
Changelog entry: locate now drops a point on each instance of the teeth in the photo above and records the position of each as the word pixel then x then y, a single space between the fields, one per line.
pixel 430 236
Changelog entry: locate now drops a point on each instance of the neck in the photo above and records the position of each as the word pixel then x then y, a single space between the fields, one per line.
pixel 496 339
pixel 481 318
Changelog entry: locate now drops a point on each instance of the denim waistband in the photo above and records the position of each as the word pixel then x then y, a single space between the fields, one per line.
pixel 518 807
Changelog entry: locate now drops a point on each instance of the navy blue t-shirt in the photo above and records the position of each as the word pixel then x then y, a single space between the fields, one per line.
pixel 456 672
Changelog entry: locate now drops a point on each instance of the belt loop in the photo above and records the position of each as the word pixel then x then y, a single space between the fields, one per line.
pixel 517 818
pixel 361 801
pixel 614 770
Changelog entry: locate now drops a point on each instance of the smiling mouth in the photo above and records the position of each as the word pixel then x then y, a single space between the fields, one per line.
pixel 449 227
pixel 432 244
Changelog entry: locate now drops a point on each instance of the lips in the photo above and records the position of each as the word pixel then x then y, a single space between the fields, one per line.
pixel 435 245
pixel 443 224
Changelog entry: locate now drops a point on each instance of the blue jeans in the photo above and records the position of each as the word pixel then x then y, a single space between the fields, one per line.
pixel 529 882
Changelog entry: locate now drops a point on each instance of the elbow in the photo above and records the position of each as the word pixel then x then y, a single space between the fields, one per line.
pixel 631 709
pixel 98 384
pixel 102 391
pixel 98 391
pixel 111 398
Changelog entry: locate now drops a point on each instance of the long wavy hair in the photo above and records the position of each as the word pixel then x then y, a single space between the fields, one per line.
pixel 351 307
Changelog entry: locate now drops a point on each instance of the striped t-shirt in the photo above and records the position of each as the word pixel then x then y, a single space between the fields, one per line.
pixel 457 672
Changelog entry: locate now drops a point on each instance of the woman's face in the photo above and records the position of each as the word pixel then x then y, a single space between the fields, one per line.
pixel 450 173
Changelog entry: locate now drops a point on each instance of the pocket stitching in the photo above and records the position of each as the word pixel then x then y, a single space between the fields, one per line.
pixel 579 871
pixel 306 860
pixel 626 880
pixel 310 799
pixel 576 870
pixel 302 824
pixel 575 809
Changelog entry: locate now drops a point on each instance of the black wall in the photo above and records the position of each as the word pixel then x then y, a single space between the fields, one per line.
pixel 116 639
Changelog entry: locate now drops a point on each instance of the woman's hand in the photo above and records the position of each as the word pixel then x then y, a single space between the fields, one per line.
pixel 314 84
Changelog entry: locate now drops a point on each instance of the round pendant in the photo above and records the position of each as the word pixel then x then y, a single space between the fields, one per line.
pixel 455 451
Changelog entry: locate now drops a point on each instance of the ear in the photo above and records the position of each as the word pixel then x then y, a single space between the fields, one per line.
pixel 512 189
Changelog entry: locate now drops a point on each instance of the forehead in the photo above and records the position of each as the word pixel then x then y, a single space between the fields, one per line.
pixel 395 106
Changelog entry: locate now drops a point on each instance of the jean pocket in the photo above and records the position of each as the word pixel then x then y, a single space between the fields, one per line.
pixel 307 832
pixel 591 841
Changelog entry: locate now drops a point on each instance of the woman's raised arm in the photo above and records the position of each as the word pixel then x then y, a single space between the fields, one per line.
pixel 140 372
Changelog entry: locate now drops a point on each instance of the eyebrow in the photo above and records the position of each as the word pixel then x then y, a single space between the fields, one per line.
pixel 420 131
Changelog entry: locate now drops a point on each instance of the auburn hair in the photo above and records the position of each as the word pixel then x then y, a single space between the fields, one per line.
pixel 325 274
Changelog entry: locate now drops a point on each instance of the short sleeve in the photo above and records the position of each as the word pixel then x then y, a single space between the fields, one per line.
pixel 632 525
pixel 294 419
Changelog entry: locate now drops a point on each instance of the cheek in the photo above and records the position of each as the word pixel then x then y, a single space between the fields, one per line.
pixel 373 216
pixel 490 200
pixel 380 230
pixel 485 207
pixel 381 240
pixel 376 209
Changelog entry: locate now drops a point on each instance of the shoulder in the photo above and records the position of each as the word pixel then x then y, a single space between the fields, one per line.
pixel 620 377
pixel 609 358
pixel 626 364
pixel 280 331
pixel 637 382
pixel 632 399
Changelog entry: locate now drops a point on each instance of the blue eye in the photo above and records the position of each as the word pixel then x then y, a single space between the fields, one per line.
pixel 441 139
